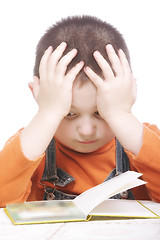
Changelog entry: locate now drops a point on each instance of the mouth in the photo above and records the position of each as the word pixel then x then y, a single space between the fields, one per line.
pixel 87 142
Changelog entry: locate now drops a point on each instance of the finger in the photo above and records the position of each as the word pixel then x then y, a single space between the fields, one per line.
pixel 104 65
pixel 124 62
pixel 57 54
pixel 43 62
pixel 64 62
pixel 71 75
pixel 97 81
pixel 49 61
pixel 114 59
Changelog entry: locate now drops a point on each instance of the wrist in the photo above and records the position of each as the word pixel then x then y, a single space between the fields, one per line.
pixel 117 116
pixel 38 134
pixel 50 116
pixel 128 130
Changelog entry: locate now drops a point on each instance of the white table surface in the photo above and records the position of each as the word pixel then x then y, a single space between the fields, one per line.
pixel 146 229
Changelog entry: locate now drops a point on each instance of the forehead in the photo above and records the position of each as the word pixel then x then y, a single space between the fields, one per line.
pixel 84 95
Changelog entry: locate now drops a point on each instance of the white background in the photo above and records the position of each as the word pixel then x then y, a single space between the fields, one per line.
pixel 22 23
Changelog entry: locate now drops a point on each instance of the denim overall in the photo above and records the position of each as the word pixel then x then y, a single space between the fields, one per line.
pixel 58 177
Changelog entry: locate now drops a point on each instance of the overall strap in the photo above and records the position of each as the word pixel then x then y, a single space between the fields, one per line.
pixel 122 165
pixel 55 175
pixel 122 161
pixel 50 171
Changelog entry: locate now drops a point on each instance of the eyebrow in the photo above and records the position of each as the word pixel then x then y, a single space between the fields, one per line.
pixel 72 106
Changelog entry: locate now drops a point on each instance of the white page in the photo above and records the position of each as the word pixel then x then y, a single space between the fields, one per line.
pixel 134 183
pixel 153 206
pixel 94 196
pixel 122 207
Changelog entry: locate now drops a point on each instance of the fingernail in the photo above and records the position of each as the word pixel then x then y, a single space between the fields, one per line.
pixel 120 51
pixel 96 53
pixel 49 48
pixel 74 50
pixel 63 44
pixel 109 45
pixel 81 62
pixel 86 68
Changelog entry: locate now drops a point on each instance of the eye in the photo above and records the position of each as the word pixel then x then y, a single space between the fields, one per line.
pixel 97 114
pixel 70 115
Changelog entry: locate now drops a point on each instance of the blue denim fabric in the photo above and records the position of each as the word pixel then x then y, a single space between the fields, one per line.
pixel 58 177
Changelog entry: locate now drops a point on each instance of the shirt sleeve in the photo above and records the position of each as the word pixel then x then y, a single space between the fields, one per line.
pixel 16 172
pixel 148 160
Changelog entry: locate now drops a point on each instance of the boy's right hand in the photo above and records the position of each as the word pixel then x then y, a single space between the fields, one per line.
pixel 53 91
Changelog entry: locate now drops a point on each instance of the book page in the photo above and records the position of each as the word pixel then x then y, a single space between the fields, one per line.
pixel 152 206
pixel 94 196
pixel 122 208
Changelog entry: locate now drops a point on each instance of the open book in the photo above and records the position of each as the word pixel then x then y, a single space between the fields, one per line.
pixel 93 204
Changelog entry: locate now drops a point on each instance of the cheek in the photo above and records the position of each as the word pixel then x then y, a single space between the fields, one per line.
pixel 105 131
pixel 64 130
pixel 102 126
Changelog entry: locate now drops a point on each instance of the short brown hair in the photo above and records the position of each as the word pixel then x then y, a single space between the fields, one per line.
pixel 86 34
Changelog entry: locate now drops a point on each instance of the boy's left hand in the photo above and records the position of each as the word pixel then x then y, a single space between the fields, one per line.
pixel 116 89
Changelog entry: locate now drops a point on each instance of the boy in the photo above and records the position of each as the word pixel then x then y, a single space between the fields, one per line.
pixel 85 90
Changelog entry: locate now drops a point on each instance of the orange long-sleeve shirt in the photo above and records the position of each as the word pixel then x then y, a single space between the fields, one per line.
pixel 20 177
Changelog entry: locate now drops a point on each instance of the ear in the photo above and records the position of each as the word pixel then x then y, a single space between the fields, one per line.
pixel 30 85
pixel 34 86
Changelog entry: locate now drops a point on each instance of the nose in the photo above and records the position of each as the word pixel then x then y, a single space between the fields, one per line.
pixel 86 127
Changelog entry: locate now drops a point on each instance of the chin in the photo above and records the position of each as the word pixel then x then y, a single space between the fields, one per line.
pixel 85 150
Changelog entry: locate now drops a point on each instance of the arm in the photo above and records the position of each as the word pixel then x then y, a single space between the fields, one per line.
pixel 53 93
pixel 148 160
pixel 16 172
pixel 22 155
pixel 116 94
pixel 115 97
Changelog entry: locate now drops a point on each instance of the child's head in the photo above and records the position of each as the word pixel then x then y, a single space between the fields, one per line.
pixel 86 34
pixel 82 129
